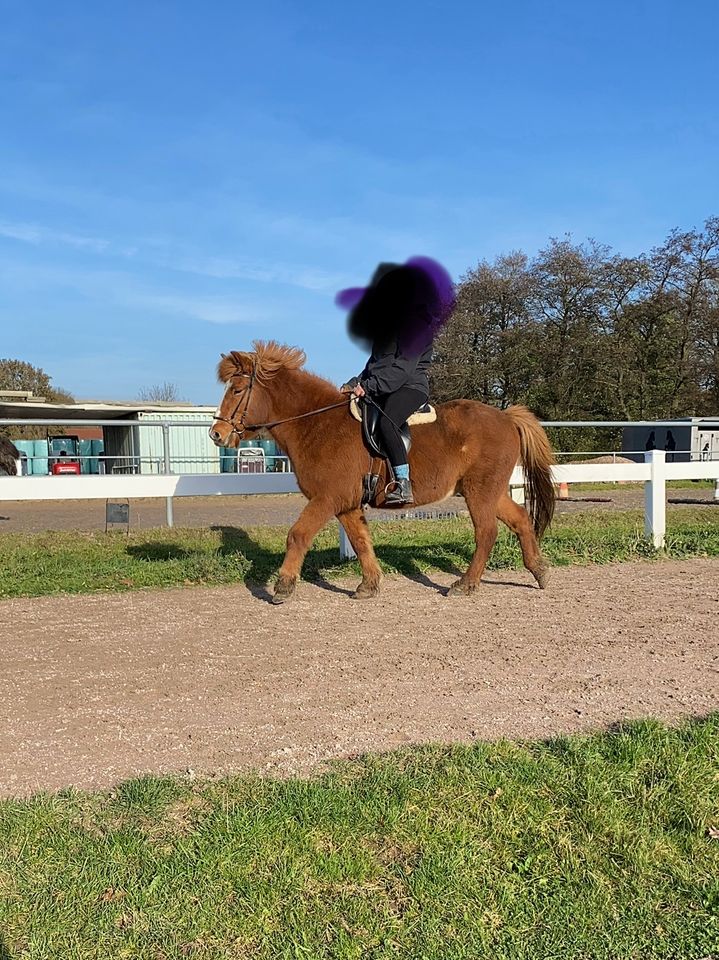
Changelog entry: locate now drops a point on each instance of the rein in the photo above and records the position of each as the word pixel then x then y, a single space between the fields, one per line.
pixel 244 427
pixel 299 416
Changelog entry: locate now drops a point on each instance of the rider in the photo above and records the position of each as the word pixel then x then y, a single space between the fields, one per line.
pixel 398 316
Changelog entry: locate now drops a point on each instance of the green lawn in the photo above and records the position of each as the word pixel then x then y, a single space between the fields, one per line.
pixel 688 486
pixel 37 564
pixel 584 848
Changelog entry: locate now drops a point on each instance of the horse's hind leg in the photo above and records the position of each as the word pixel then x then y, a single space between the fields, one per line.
pixel 355 524
pixel 517 519
pixel 481 503
pixel 302 533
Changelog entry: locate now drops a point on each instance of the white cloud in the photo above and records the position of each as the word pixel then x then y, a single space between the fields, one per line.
pixel 20 231
pixel 36 234
pixel 167 254
pixel 121 288
pixel 216 310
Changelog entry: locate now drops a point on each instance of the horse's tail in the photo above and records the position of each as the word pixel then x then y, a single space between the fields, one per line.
pixel 537 459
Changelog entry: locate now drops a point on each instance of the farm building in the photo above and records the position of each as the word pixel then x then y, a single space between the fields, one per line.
pixel 134 447
pixel 696 439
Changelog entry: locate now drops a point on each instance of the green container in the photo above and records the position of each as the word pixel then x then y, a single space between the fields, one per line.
pixel 98 448
pixel 39 463
pixel 270 448
pixel 85 454
pixel 228 460
pixel 28 448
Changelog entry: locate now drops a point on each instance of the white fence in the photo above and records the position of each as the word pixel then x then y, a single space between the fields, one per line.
pixel 654 473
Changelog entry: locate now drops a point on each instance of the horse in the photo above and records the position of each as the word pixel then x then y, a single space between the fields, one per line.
pixel 471 448
pixel 9 456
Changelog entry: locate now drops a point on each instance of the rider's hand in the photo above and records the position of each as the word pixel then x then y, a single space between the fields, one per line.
pixel 358 390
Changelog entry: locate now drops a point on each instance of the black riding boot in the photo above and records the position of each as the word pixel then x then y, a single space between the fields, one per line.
pixel 400 493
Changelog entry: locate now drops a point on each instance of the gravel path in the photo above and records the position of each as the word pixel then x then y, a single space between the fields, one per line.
pixel 97 689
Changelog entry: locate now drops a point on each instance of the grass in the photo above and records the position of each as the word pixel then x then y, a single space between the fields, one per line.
pixel 71 562
pixel 688 486
pixel 584 848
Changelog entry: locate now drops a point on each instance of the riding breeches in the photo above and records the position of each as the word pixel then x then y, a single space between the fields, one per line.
pixel 397 406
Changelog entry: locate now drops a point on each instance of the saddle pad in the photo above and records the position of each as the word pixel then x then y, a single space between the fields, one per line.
pixel 426 415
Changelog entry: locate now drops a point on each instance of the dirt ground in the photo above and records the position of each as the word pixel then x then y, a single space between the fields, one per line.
pixel 215 680
pixel 251 511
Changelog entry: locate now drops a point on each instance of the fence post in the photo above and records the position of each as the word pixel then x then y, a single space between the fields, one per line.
pixel 655 498
pixel 166 454
pixel 517 494
pixel 346 549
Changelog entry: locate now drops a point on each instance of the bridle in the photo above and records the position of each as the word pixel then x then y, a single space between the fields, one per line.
pixel 244 395
pixel 247 393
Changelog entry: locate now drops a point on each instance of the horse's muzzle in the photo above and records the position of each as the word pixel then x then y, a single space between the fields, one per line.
pixel 220 434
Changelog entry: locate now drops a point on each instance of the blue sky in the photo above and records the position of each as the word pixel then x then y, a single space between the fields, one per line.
pixel 177 178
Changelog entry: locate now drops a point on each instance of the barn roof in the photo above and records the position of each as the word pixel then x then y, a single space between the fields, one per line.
pixel 91 409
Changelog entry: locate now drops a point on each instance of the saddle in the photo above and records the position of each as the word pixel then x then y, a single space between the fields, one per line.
pixel 369 416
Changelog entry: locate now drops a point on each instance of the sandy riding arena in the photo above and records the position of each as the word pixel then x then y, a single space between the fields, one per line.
pixel 215 680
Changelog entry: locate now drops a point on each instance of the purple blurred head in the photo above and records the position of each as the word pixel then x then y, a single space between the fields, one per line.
pixel 409 303
pixel 349 298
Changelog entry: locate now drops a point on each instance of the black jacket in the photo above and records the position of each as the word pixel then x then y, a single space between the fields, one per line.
pixel 388 370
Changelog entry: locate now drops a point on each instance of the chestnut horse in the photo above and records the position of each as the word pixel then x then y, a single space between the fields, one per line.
pixel 470 449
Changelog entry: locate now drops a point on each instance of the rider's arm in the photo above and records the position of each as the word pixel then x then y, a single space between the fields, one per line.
pixel 387 372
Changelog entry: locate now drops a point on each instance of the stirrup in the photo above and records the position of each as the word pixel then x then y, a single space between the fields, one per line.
pixel 399 492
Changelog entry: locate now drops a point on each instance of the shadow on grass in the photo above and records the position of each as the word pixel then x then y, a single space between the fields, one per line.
pixel 694 503
pixel 321 564
pixel 159 552
pixel 410 560
pixel 4 952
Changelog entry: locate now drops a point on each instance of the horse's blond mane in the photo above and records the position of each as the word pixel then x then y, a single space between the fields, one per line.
pixel 268 357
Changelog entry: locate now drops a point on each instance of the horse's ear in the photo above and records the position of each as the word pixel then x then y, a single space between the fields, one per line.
pixel 226 368
pixel 233 363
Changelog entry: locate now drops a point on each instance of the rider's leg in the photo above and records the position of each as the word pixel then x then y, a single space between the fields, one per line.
pixel 397 408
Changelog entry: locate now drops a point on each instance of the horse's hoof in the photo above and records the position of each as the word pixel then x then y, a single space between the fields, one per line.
pixel 364 592
pixel 284 591
pixel 460 588
pixel 542 577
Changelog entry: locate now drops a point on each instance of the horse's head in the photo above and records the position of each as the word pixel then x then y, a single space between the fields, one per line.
pixel 247 399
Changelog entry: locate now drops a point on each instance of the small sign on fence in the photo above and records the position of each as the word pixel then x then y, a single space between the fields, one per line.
pixel 117 514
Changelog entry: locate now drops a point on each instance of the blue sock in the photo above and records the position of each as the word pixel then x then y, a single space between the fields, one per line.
pixel 401 471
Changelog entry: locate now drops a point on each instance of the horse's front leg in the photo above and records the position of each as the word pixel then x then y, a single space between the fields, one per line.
pixel 302 533
pixel 355 524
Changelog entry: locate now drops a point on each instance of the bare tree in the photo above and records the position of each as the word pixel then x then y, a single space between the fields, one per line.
pixel 165 392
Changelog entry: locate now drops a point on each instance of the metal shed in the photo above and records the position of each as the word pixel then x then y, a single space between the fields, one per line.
pixel 191 450
pixel 690 441
pixel 129 447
